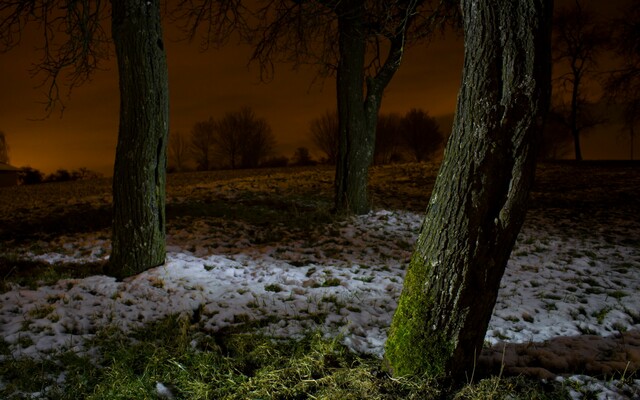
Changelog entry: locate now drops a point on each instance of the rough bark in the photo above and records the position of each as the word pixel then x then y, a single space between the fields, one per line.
pixel 478 203
pixel 138 238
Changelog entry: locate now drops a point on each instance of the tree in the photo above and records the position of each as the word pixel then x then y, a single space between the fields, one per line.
pixel 556 142
pixel 623 83
pixel 354 35
pixel 479 199
pixel 61 175
pixel 202 143
pixel 577 42
pixel 84 173
pixel 259 142
pixel 75 41
pixel 139 179
pixel 178 151
pixel 4 149
pixel 325 134
pixel 421 134
pixel 242 139
pixel 302 157
pixel 30 176
pixel 357 107
pixel 388 138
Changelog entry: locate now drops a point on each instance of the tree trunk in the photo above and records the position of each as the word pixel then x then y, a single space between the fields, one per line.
pixel 355 150
pixel 478 203
pixel 357 113
pixel 632 134
pixel 139 180
pixel 575 131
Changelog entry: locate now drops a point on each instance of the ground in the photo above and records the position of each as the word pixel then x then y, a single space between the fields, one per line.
pixel 260 249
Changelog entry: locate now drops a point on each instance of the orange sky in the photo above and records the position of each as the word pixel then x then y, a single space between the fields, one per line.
pixel 204 84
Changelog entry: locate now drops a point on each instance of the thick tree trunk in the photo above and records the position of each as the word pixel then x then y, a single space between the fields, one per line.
pixel 355 150
pixel 138 239
pixel 478 203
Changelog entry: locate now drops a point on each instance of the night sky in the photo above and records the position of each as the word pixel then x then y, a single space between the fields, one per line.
pixel 211 83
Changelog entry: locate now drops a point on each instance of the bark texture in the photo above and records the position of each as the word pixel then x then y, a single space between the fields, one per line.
pixel 139 180
pixel 478 203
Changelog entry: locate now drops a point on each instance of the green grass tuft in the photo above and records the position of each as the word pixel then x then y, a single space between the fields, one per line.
pixel 223 365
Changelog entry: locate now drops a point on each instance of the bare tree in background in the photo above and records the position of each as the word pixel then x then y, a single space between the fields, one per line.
pixel 421 134
pixel 4 149
pixel 242 139
pixel 202 142
pixel 325 134
pixel 302 157
pixel 557 141
pixel 30 176
pixel 361 42
pixel 623 83
pixel 179 151
pixel 74 44
pixel 578 40
pixel 388 138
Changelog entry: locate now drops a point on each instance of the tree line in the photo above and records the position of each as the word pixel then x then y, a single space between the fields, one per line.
pixel 240 139
pixel 32 176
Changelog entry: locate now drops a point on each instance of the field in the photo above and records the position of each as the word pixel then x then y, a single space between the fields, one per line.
pixel 255 255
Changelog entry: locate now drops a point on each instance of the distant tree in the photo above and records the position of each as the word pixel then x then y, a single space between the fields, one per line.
pixel 61 175
pixel 242 139
pixel 325 134
pixel 259 143
pixel 302 157
pixel 74 40
pixel 421 134
pixel 556 138
pixel 83 173
pixel 4 149
pixel 479 200
pixel 203 140
pixel 388 138
pixel 578 40
pixel 30 176
pixel 179 151
pixel 623 83
pixel 275 162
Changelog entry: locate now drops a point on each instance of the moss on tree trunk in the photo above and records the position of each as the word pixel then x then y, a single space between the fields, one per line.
pixel 478 203
pixel 139 180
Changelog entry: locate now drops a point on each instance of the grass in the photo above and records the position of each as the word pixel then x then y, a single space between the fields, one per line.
pixel 230 365
pixel 33 273
pixel 238 364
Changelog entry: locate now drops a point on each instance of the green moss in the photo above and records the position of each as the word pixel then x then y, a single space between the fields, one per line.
pixel 413 348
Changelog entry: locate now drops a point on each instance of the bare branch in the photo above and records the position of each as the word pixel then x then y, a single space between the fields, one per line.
pixel 74 41
pixel 217 19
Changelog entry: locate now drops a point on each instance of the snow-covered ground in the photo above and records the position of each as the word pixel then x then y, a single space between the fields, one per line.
pixel 568 308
